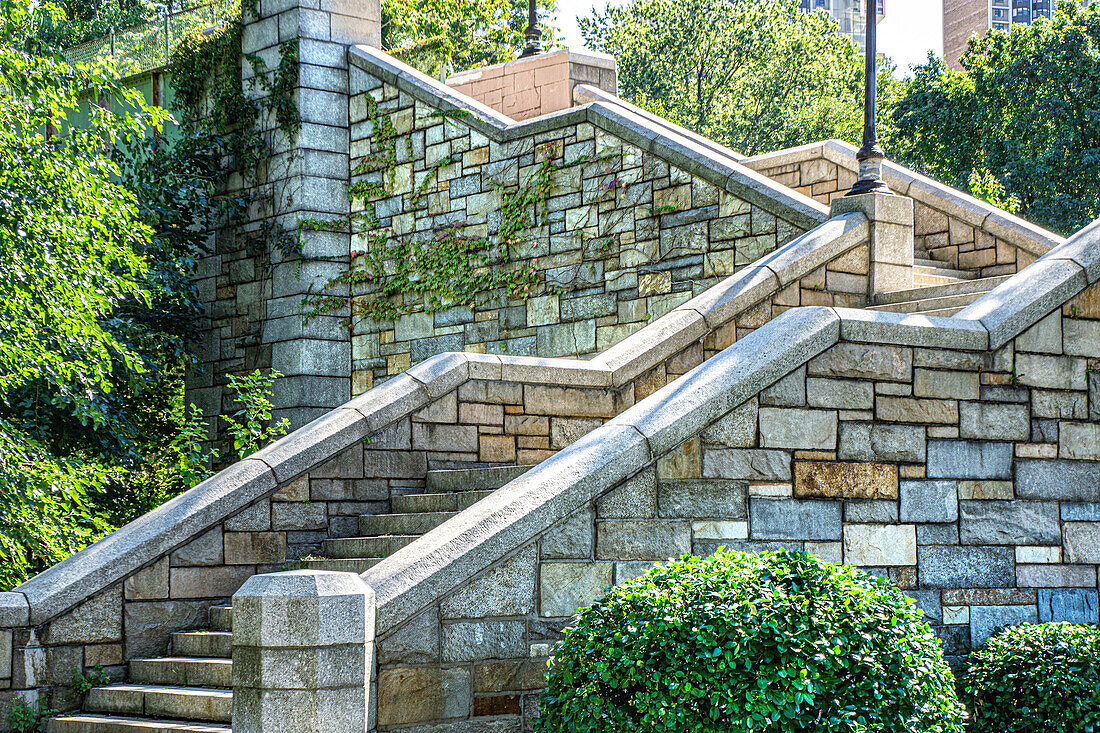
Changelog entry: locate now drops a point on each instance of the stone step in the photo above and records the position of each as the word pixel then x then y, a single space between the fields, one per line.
pixel 415 523
pixel 451 502
pixel 928 305
pixel 467 479
pixel 363 547
pixel 982 286
pixel 153 701
pixel 924 281
pixel 339 564
pixel 221 618
pixel 182 671
pixel 91 723
pixel 203 644
pixel 935 267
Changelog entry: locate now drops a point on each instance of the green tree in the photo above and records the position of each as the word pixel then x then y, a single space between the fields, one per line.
pixel 441 37
pixel 1019 119
pixel 756 75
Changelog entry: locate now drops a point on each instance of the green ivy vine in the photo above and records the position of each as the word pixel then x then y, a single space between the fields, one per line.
pixel 400 275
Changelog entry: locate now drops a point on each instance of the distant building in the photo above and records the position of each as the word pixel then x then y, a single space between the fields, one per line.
pixel 965 18
pixel 850 14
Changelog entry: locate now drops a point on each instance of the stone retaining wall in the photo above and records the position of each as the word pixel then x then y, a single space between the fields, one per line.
pixel 950 226
pixel 969 477
pixel 123 597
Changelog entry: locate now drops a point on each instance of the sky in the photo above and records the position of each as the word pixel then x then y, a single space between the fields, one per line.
pixel 909 31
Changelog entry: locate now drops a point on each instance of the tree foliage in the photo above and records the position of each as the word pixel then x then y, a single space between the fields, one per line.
pixel 756 75
pixel 441 37
pixel 751 642
pixel 1022 113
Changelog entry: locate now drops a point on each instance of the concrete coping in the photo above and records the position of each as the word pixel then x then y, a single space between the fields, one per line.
pixel 586 57
pixel 977 213
pixel 706 160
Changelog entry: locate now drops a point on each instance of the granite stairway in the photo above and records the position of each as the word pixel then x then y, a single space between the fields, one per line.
pixel 938 291
pixel 191 690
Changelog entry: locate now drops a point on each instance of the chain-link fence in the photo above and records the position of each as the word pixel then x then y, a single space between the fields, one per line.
pixel 147 46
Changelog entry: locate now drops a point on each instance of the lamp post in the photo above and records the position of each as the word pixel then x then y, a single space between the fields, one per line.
pixel 870 156
pixel 533 47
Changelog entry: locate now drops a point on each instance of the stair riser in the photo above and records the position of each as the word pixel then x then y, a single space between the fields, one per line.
pixel 473 478
pixel 199 644
pixel 207 706
pixel 190 673
pixel 342 565
pixel 386 524
pixel 89 724
pixel 423 503
pixel 357 547
pixel 221 618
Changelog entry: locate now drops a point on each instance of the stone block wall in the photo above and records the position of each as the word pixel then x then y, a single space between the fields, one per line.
pixel 537 85
pixel 625 236
pixel 969 478
pixel 950 226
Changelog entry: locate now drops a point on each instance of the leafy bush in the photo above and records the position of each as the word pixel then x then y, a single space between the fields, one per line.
pixel 747 642
pixel 26 718
pixel 1036 678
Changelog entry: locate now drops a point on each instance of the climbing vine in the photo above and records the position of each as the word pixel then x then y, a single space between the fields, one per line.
pixel 395 275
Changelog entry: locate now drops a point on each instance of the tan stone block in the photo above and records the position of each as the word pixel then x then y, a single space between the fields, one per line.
pixel 988 597
pixel 497 448
pixel 908 409
pixel 255 548
pixel 568 401
pixel 296 490
pixel 654 283
pixel 845 480
pixel 1079 441
pixel 148 584
pixel 476 413
pixel 880 545
pixel 543 310
pixel 912 471
pixel 976 490
pixel 520 424
pixel 416 695
pixel 105 655
pixel 1036 450
pixel 683 461
pixel 949 385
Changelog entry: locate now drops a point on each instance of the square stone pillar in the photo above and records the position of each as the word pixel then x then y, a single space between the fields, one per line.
pixel 303 653
pixel 892 244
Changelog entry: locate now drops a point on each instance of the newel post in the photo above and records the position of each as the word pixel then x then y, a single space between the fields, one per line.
pixel 303 653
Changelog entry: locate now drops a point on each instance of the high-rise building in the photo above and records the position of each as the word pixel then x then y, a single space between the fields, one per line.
pixel 850 14
pixel 965 18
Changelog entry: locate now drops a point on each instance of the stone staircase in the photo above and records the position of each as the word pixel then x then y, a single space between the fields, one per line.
pixel 191 691
pixel 938 291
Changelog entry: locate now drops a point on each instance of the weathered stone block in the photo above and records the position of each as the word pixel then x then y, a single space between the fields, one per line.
pixel 984 620
pixel 415 641
pixel 1071 605
pixel 149 584
pixel 689 498
pixel 572 538
pixel 568 402
pixel 944 566
pixel 636 498
pixel 95 621
pixel 683 461
pixel 420 694
pixel 565 587
pixel 1052 372
pixel 642 540
pixel 219 582
pixel 1054 575
pixel 747 464
pixel 867 441
pixel 206 549
pixel 992 421
pixel 864 361
pixel 1009 523
pixel 911 410
pixel 1081 511
pixel 793 519
pixel 488 639
pixel 929 501
pixel 836 480
pixel 967 459
pixel 506 590
pixel 1082 542
pixel 985 489
pixel 798 429
pixel 566 431
pixel 299 516
pixel 941 384
pixel 150 624
pixel 1080 441
pixel 737 429
pixel 840 394
pixel 790 391
pixel 871 512
pixel 880 545
pixel 1062 480
pixel 255 548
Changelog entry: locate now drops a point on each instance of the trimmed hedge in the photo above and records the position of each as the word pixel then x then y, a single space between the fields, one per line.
pixel 751 642
pixel 1036 678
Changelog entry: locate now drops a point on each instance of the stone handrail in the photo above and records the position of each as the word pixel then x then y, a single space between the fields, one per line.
pixel 450 555
pixel 975 212
pixel 179 520
pixel 689 154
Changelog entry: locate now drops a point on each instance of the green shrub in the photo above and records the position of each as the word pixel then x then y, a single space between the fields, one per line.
pixel 775 642
pixel 1036 678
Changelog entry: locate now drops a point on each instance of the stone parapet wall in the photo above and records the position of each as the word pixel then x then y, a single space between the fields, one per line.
pixel 950 226
pixel 123 597
pixel 959 458
pixel 538 85
pixel 625 232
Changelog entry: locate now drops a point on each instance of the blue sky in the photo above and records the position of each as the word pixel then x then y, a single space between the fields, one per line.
pixel 910 30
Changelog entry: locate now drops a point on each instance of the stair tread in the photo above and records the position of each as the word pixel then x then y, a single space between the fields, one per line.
pixel 969 287
pixel 145 725
pixel 184 660
pixel 485 477
pixel 168 689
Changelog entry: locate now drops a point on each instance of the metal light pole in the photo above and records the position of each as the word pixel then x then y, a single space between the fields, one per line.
pixel 533 46
pixel 870 156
